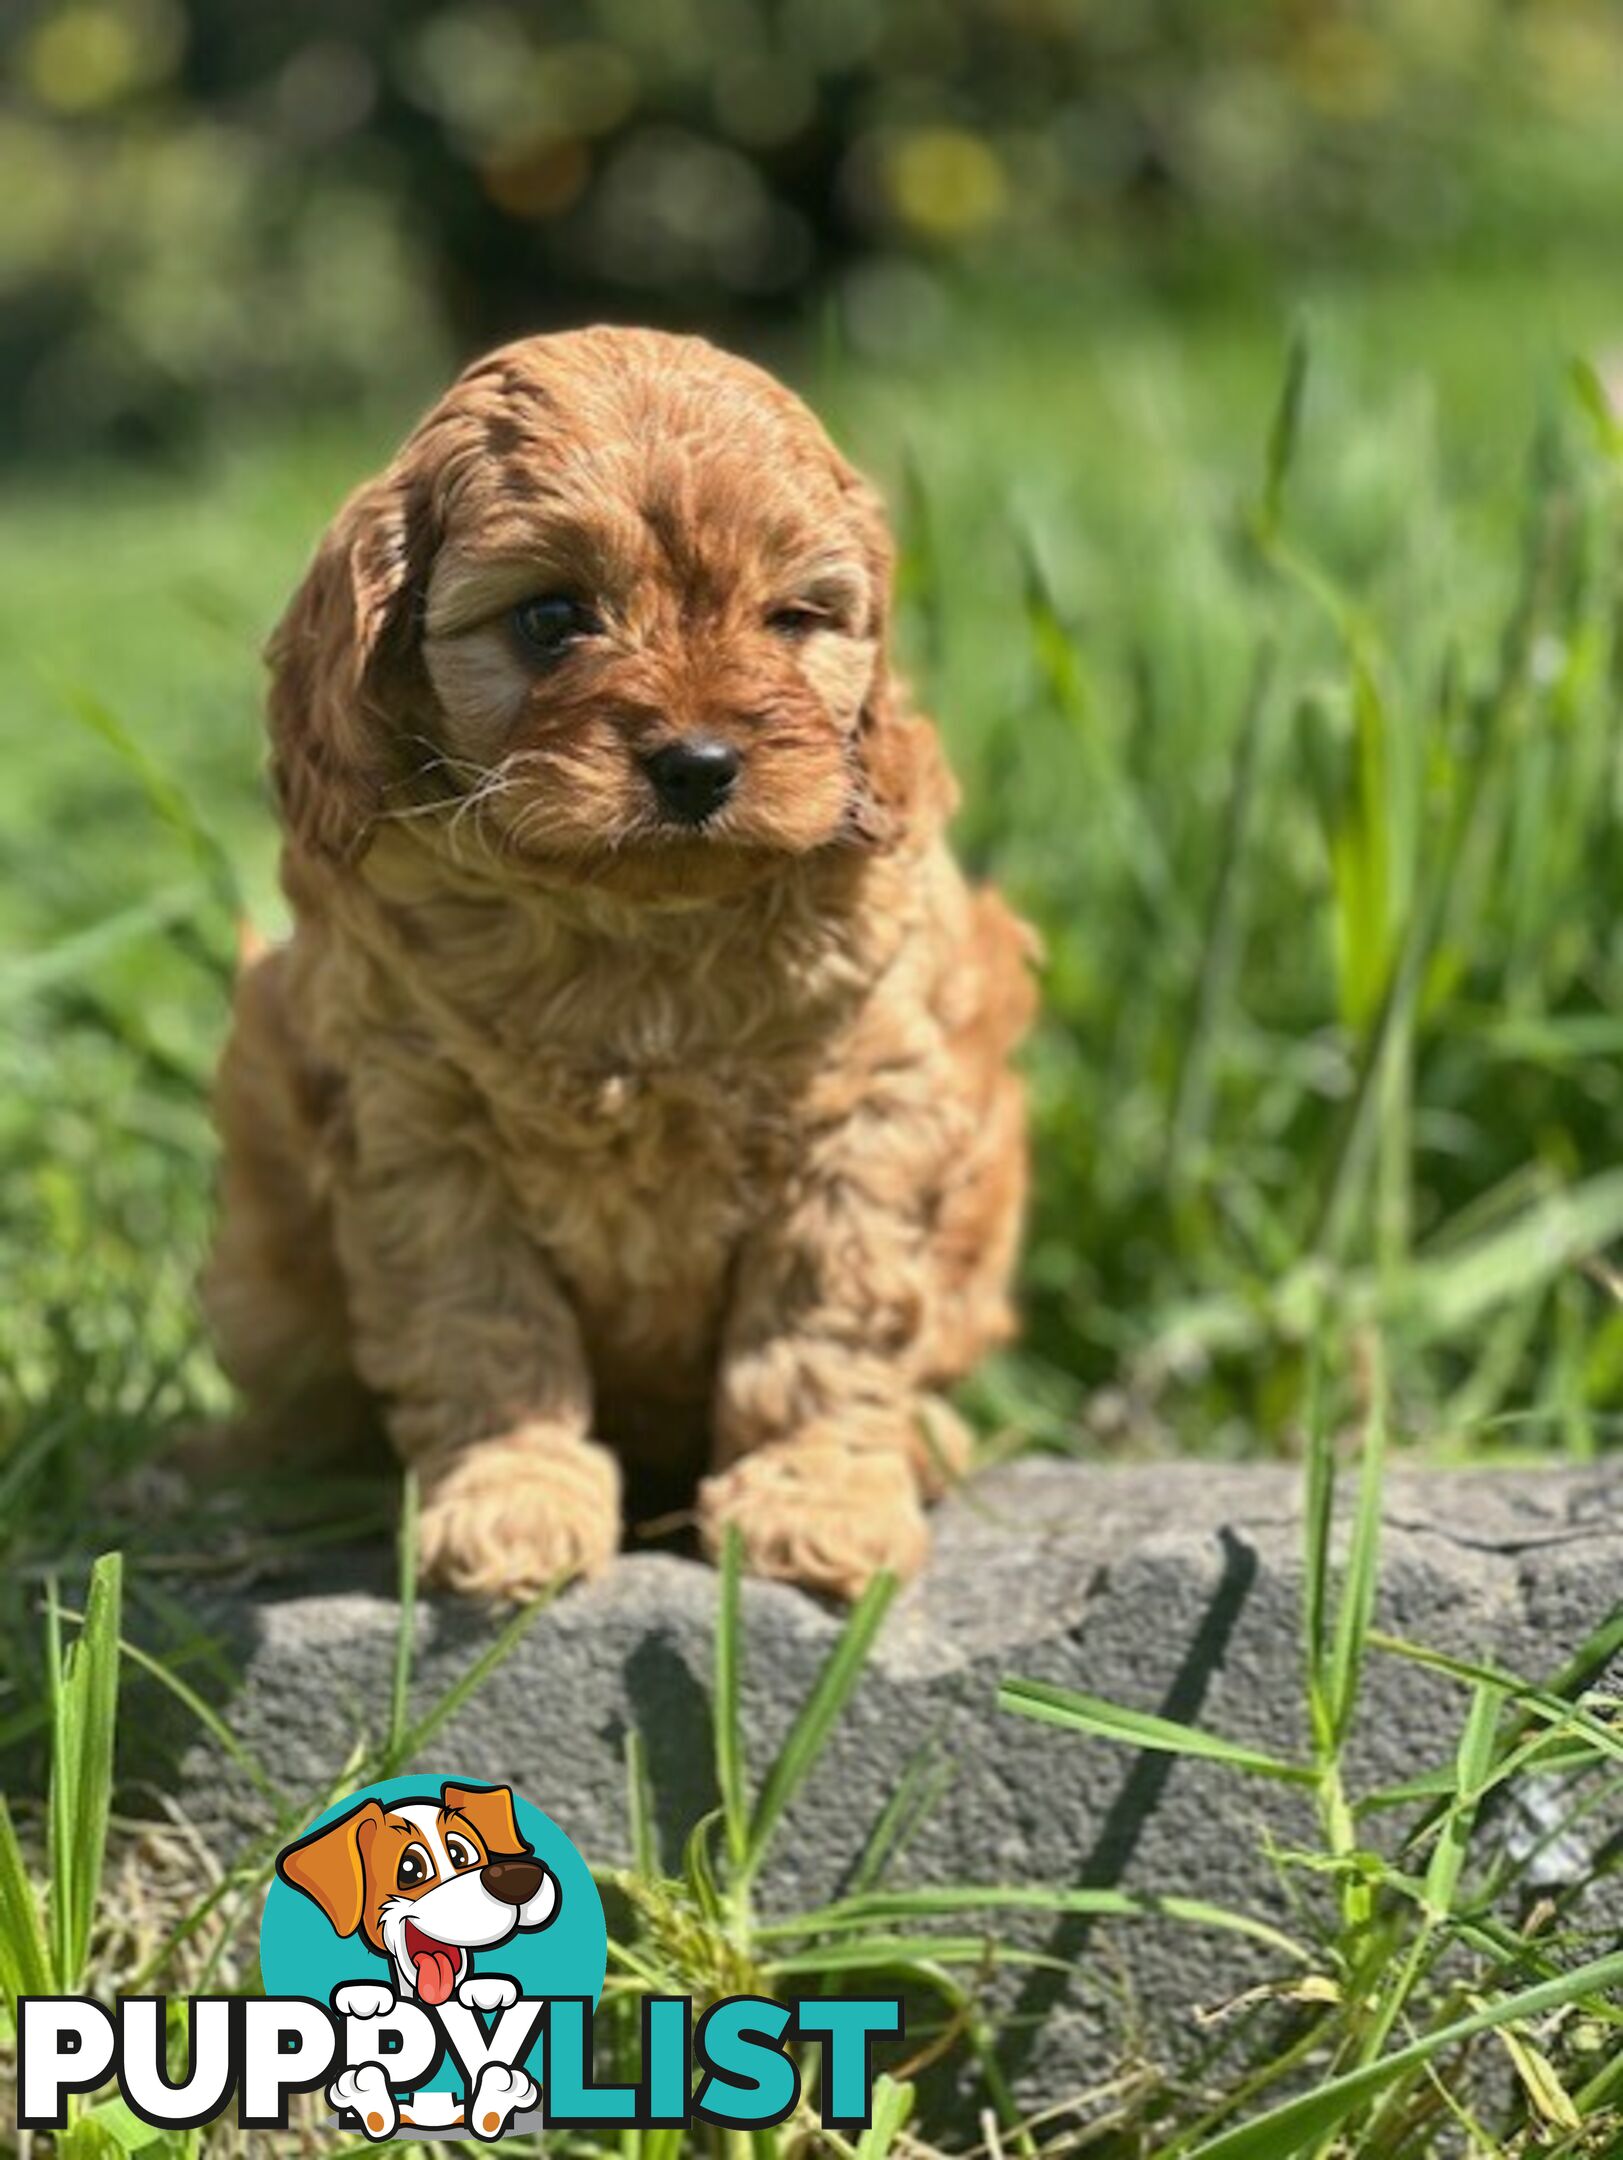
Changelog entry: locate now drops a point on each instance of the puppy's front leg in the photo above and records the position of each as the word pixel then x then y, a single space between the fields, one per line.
pixel 460 1326
pixel 827 1446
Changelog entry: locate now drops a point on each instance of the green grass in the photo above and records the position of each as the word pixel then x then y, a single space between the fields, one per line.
pixel 1301 748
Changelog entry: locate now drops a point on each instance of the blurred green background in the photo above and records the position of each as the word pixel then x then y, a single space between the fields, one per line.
pixel 1242 379
pixel 215 211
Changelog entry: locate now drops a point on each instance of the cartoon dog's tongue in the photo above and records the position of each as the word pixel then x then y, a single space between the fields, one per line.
pixel 436 1964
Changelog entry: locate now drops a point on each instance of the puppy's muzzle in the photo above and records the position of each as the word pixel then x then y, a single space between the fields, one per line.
pixel 693 777
pixel 513 1882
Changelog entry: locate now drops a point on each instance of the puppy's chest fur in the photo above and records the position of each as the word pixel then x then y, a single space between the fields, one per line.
pixel 641 1103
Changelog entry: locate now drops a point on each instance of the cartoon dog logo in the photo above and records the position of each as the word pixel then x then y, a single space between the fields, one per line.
pixel 425 1882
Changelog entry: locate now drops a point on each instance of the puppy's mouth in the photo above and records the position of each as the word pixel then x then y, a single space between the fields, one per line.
pixel 436 1964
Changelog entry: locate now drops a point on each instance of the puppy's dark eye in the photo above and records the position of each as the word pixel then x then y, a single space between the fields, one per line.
pixel 551 623
pixel 415 1868
pixel 796 620
pixel 460 1853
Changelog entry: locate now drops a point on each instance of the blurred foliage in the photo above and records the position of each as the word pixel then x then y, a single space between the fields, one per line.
pixel 207 208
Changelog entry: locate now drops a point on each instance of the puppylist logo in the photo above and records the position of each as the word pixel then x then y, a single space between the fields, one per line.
pixel 432 1952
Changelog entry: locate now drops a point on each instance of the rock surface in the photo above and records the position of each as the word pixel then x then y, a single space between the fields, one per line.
pixel 1173 1588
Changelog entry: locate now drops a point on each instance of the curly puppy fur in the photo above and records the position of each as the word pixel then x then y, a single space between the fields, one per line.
pixel 583 1140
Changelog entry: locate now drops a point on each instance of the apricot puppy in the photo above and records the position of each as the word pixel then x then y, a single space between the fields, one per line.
pixel 632 1097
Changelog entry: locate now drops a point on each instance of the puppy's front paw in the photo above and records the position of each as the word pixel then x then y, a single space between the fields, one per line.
pixel 363 1999
pixel 820 1511
pixel 365 2091
pixel 487 1991
pixel 513 1516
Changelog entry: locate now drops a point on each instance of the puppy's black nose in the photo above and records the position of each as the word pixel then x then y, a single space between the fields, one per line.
pixel 515 1882
pixel 693 778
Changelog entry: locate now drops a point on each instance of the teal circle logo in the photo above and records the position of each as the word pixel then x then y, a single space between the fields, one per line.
pixel 426 1886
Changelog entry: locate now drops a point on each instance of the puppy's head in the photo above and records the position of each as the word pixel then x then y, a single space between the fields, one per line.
pixel 424 1882
pixel 616 613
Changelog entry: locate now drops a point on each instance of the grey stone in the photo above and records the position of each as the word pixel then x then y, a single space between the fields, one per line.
pixel 1174 1588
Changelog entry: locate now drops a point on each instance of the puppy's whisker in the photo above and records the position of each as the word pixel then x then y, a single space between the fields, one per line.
pixel 407 811
pixel 459 773
pixel 474 804
pixel 439 759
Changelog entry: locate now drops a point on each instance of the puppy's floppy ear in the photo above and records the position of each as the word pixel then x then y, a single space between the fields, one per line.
pixel 329 1865
pixel 340 662
pixel 899 765
pixel 490 1809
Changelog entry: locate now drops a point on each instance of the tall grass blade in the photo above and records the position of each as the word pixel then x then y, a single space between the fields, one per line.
pixel 1474 1768
pixel 1318 1522
pixel 640 1808
pixel 1446 1294
pixel 888 1953
pixel 698 1870
pixel 919 579
pixel 81 951
pixel 1591 1658
pixel 816 1718
pixel 1536 1702
pixel 165 797
pixel 26 1966
pixel 1057 651
pixel 1102 1720
pixel 206 1715
pixel 489 1660
pixel 83 1719
pixel 1219 965
pixel 1595 402
pixel 405 1635
pixel 1284 432
pixel 931 1904
pixel 1356 1609
pixel 728 1717
pixel 921 1784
